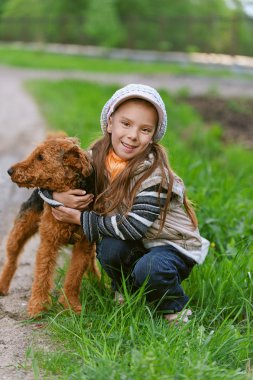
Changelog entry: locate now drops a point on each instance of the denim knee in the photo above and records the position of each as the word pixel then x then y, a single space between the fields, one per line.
pixel 110 252
pixel 118 257
pixel 118 253
pixel 161 266
pixel 151 271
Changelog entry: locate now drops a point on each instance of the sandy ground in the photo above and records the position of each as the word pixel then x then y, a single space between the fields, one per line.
pixel 196 85
pixel 21 128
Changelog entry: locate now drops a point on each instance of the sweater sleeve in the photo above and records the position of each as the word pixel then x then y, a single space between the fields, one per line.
pixel 132 226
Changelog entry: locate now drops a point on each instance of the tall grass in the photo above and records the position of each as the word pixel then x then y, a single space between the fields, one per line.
pixel 110 341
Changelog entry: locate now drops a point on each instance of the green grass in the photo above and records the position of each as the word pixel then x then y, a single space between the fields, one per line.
pixel 14 56
pixel 132 341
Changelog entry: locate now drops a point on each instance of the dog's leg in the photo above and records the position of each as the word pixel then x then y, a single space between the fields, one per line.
pixel 43 278
pixel 25 226
pixel 94 268
pixel 82 254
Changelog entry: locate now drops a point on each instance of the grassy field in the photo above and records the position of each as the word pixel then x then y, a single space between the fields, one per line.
pixel 13 56
pixel 131 341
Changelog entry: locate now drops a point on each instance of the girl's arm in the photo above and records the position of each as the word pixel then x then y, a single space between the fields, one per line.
pixel 132 226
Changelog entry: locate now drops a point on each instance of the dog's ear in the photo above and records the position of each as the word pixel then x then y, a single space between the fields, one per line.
pixel 73 140
pixel 71 156
pixel 76 158
pixel 55 134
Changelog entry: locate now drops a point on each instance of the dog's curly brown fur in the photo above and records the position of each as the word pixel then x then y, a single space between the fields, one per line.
pixel 57 164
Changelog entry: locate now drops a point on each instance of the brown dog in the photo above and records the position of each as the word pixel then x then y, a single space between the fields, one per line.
pixel 57 164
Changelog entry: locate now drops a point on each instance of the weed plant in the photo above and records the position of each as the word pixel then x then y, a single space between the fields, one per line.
pixel 132 341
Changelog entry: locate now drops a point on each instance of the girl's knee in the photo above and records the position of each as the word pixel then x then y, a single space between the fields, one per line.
pixel 151 272
pixel 143 272
pixel 110 251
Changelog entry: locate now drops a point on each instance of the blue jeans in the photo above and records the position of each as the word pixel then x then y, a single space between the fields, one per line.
pixel 161 268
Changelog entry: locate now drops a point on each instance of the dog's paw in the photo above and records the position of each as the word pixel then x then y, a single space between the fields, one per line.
pixel 36 307
pixel 77 308
pixel 3 290
pixel 71 303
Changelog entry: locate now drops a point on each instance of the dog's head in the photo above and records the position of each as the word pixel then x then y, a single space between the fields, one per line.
pixel 57 164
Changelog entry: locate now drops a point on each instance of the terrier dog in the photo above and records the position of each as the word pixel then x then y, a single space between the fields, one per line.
pixel 57 164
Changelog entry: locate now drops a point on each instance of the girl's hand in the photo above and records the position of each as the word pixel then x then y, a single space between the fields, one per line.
pixel 66 215
pixel 77 198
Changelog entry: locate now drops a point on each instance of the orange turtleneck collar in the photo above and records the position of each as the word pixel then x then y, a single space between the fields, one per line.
pixel 114 164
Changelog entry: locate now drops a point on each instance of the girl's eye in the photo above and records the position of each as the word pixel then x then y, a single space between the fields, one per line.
pixel 125 123
pixel 146 131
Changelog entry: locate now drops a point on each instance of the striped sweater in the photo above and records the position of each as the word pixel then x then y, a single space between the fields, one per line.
pixel 143 220
pixel 133 226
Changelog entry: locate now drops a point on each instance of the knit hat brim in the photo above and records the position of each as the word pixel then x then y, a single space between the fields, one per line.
pixel 136 91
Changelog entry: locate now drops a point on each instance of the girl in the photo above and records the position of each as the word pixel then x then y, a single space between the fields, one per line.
pixel 142 222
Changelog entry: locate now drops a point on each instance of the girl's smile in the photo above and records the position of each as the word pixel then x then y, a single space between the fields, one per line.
pixel 129 148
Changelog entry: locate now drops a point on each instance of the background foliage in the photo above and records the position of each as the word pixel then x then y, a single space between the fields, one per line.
pixel 185 25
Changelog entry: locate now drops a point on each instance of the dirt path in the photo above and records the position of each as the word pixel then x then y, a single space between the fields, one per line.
pixel 21 128
pixel 196 85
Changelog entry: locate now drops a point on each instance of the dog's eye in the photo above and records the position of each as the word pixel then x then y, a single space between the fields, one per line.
pixel 40 157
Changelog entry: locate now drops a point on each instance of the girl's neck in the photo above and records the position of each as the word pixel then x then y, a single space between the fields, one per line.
pixel 114 164
pixel 116 157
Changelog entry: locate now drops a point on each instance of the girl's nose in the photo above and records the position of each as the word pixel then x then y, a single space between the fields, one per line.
pixel 133 133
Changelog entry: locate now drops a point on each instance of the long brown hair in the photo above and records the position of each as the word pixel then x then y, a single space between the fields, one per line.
pixel 119 194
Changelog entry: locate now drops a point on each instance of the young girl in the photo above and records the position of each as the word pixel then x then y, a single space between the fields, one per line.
pixel 144 226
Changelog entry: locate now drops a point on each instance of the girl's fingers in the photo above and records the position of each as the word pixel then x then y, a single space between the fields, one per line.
pixel 74 198
pixel 66 215
pixel 77 192
pixel 84 202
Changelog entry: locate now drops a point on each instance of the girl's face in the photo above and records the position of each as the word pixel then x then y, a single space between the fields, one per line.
pixel 132 127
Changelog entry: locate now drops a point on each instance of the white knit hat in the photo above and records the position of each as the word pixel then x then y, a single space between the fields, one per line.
pixel 136 91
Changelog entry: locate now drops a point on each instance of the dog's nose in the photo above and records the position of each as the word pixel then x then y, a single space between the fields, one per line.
pixel 10 171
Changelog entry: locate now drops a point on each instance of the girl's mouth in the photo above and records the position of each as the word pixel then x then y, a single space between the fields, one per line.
pixel 128 147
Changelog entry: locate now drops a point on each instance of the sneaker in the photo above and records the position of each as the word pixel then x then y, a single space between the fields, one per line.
pixel 119 298
pixel 182 316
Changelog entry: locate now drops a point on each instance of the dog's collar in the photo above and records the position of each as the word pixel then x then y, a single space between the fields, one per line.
pixel 47 197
